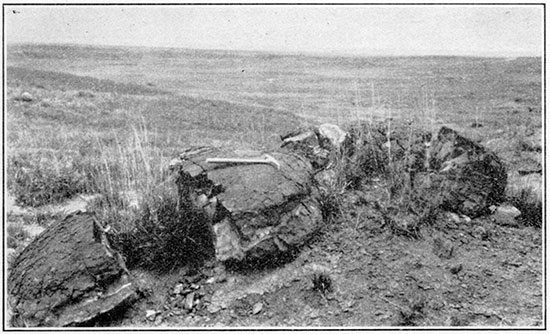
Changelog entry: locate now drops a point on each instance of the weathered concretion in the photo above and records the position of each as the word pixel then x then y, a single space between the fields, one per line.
pixel 463 176
pixel 256 210
pixel 68 275
pixel 451 172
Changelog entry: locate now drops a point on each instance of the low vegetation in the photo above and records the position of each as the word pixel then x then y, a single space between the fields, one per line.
pixel 530 206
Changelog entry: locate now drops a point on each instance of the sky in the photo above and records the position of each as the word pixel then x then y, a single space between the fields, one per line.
pixel 478 30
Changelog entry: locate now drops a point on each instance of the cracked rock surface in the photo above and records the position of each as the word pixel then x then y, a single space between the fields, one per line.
pixel 68 275
pixel 256 210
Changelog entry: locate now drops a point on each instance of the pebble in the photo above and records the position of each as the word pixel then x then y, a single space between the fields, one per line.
pixel 257 308
pixel 212 308
pixel 178 289
pixel 150 314
pixel 314 314
pixel 26 97
pixel 189 300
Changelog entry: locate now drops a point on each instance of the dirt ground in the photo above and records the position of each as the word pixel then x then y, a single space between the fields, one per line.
pixel 457 273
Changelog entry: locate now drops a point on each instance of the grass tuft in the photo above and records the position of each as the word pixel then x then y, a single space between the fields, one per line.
pixel 38 179
pixel 162 237
pixel 526 201
pixel 322 283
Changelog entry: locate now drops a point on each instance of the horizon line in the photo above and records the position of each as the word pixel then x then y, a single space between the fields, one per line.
pixel 323 53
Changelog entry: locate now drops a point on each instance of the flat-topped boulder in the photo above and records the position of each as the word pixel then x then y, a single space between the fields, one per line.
pixel 256 210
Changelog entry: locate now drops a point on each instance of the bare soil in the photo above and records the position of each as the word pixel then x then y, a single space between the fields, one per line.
pixel 457 273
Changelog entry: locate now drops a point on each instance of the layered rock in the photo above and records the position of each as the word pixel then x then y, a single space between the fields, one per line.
pixel 256 210
pixel 68 275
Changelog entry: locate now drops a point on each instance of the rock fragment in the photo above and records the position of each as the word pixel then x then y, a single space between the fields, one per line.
pixel 25 97
pixel 332 134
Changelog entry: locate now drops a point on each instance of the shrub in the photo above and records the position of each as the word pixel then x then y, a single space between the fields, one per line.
pixel 161 236
pixel 530 206
pixel 37 180
pixel 393 154
pixel 322 282
pixel 157 234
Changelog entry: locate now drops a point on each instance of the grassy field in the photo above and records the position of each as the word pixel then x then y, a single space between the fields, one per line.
pixel 178 97
pixel 108 120
pixel 320 88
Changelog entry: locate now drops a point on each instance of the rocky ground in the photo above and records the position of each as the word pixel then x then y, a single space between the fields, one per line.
pixel 458 272
pixel 359 271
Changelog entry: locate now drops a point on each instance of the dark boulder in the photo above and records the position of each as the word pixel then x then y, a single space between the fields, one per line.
pixel 256 210
pixel 68 275
pixel 463 176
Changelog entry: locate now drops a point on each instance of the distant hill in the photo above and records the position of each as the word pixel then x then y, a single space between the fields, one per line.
pixel 64 81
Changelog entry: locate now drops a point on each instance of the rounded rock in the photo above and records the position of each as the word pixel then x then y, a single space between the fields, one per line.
pixel 26 97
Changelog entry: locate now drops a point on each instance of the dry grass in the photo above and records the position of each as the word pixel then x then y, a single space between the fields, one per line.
pixel 97 141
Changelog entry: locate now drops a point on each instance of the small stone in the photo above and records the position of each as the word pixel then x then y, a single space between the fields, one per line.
pixel 257 308
pixel 217 279
pixel 459 218
pixel 508 210
pixel 465 219
pixel 333 134
pixel 189 300
pixel 454 217
pixel 178 289
pixel 213 308
pixel 506 215
pixel 26 97
pixel 314 314
pixel 150 314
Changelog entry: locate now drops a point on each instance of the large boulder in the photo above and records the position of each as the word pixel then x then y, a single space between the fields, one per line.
pixel 256 210
pixel 463 176
pixel 68 275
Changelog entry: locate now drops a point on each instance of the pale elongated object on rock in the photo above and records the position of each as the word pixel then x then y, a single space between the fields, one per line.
pixel 268 160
